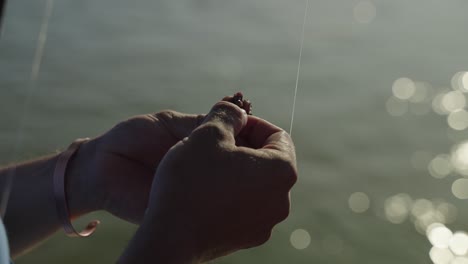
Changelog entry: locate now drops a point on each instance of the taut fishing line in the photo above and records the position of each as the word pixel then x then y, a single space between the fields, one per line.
pixel 299 66
pixel 36 65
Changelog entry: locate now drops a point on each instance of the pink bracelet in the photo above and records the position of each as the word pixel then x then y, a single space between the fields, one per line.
pixel 61 196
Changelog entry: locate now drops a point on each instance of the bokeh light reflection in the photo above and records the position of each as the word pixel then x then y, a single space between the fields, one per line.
pixel 460 158
pixel 430 216
pixel 460 188
pixel 458 120
pixel 359 202
pixel 441 255
pixel 459 243
pixel 422 222
pixel 421 207
pixel 460 81
pixel 459 260
pixel 300 239
pixel 397 208
pixel 453 101
pixel 449 211
pixel 439 235
pixel 437 105
pixel 421 92
pixel 403 88
pixel 440 167
pixel 409 95
pixel 464 81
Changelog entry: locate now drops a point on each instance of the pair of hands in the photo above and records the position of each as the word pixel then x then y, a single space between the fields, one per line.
pixel 204 186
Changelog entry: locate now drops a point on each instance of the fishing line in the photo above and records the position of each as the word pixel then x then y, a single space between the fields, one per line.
pixel 35 68
pixel 299 66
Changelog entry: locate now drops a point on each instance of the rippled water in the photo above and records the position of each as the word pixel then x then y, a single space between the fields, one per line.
pixel 361 165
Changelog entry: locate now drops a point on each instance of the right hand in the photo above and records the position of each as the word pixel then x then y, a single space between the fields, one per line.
pixel 210 197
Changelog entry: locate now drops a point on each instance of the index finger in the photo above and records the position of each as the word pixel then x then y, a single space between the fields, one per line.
pixel 274 149
pixel 281 142
pixel 261 134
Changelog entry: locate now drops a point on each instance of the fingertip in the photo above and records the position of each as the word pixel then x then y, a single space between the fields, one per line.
pixel 258 130
pixel 229 114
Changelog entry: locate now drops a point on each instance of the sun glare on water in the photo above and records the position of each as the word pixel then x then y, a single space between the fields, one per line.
pixel 430 217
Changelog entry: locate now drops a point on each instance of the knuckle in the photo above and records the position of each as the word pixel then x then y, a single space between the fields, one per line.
pixel 287 170
pixel 225 106
pixel 165 115
pixel 210 130
pixel 226 110
pixel 200 119
pixel 133 123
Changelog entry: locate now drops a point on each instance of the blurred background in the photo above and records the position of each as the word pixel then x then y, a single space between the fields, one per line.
pixel 379 123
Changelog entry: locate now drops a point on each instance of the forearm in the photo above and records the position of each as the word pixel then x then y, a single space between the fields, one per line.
pixel 159 243
pixel 31 214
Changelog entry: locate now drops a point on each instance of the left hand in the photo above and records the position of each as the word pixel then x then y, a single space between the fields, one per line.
pixel 124 161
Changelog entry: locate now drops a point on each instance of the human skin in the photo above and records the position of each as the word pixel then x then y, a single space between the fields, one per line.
pixel 204 205
pixel 204 196
pixel 112 172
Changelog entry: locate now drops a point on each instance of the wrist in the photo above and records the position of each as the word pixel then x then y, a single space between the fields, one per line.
pixel 162 243
pixel 80 191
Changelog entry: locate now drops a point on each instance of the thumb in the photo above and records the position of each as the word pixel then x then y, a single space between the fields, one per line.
pixel 223 123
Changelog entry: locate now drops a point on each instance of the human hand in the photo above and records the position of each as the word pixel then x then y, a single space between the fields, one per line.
pixel 121 163
pixel 210 197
